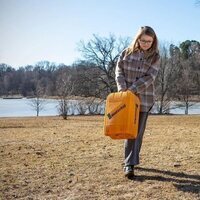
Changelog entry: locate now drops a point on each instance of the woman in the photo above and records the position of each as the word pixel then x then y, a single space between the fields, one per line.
pixel 136 70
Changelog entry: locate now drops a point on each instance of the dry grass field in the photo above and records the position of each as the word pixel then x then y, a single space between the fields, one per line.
pixel 52 158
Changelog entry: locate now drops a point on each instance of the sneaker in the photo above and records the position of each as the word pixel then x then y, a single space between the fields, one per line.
pixel 129 171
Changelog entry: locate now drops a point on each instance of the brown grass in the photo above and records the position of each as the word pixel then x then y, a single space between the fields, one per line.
pixel 50 158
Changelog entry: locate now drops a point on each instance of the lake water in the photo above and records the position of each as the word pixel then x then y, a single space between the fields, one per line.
pixel 22 108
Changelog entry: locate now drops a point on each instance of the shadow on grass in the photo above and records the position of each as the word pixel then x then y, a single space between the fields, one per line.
pixel 180 180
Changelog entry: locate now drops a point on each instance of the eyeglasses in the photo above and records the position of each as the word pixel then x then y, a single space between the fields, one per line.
pixel 145 41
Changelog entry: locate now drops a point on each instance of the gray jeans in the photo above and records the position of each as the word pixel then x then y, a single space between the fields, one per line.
pixel 132 146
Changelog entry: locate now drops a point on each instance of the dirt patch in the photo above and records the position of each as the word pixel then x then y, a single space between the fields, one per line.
pixel 50 158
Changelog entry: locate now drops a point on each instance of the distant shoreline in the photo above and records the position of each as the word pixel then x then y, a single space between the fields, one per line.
pixel 194 98
pixel 12 98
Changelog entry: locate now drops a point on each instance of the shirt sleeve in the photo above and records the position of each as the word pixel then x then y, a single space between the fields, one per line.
pixel 143 82
pixel 119 73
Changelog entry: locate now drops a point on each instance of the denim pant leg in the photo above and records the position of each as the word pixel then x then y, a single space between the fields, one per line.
pixel 132 146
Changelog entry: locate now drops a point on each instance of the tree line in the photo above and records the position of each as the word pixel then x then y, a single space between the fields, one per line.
pixel 93 76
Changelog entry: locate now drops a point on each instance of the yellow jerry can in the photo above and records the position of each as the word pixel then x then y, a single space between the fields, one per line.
pixel 122 115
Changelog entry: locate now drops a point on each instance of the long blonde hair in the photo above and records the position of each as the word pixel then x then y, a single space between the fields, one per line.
pixel 152 54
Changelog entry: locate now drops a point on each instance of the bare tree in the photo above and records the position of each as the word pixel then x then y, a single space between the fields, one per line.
pixel 86 78
pixel 95 106
pixel 38 103
pixel 184 87
pixel 90 106
pixel 166 79
pixel 64 87
pixel 81 107
pixel 103 53
pixel 188 80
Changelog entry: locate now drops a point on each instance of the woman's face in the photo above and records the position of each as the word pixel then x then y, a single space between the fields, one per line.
pixel 145 42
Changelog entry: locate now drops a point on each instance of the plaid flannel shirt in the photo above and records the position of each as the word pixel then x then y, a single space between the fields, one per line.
pixel 133 72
